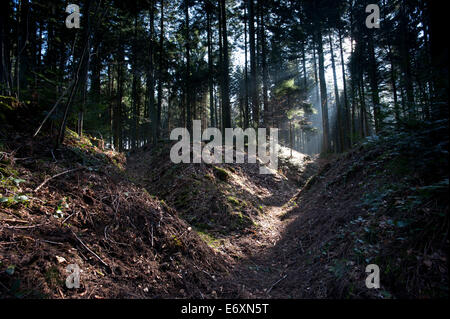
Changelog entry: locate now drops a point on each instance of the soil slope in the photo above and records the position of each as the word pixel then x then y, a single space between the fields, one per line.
pixel 143 227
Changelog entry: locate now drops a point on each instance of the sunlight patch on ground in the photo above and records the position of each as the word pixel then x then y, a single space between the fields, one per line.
pixel 297 159
pixel 246 184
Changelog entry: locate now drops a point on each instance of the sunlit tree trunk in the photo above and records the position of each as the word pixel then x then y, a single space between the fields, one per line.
pixel 246 110
pixel 339 130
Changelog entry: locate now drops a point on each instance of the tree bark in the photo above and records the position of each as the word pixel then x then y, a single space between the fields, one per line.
pixel 265 76
pixel 160 71
pixel 253 74
pixel 326 146
pixel 208 7
pixel 188 68
pixel 226 110
pixel 151 76
pixel 339 138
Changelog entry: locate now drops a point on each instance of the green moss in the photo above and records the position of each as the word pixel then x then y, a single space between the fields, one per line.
pixel 240 221
pixel 8 103
pixel 8 171
pixel 221 173
pixel 208 238
pixel 176 241
pixel 9 179
pixel 233 201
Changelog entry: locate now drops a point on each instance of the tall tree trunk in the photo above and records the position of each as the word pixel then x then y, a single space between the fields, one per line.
pixel 265 76
pixel 439 59
pixel 134 87
pixel 82 69
pixel 221 84
pixel 5 62
pixel 23 34
pixel 96 68
pixel 169 113
pixel 110 101
pixel 151 76
pixel 85 74
pixel 339 130
pixel 363 110
pixel 188 68
pixel 50 53
pixel 246 110
pixel 316 77
pixel 373 79
pixel 226 110
pixel 326 146
pixel 346 107
pixel 160 70
pixel 305 83
pixel 393 78
pixel 253 72
pixel 353 82
pixel 118 137
pixel 406 62
pixel 208 9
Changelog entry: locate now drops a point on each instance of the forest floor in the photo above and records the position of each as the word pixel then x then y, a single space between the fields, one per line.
pixel 310 230
pixel 142 227
pixel 262 203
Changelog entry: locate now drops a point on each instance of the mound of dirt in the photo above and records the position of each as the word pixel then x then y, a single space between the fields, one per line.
pixel 218 200
pixel 76 206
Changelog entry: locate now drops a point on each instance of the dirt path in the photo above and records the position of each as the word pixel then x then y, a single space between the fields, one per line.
pixel 260 260
pixel 260 268
pixel 257 265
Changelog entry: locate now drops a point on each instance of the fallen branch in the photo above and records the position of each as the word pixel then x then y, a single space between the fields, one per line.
pixel 88 249
pixel 22 227
pixel 14 221
pixel 50 178
pixel 51 242
pixel 69 217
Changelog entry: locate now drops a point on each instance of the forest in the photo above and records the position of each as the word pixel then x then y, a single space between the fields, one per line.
pixel 90 91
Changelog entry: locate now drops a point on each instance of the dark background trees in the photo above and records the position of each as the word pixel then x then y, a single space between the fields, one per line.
pixel 135 70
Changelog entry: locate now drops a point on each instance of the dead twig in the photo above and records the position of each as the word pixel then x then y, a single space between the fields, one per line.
pixel 88 249
pixel 23 227
pixel 152 235
pixel 69 217
pixel 14 221
pixel 51 242
pixel 53 155
pixel 8 243
pixel 109 239
pixel 54 176
pixel 278 281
